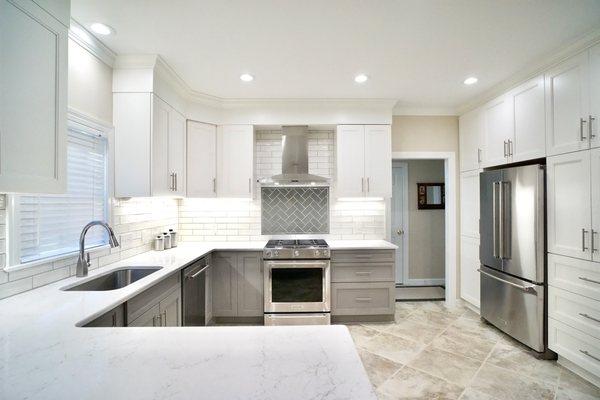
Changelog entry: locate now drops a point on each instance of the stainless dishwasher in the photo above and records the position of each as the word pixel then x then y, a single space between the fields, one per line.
pixel 196 283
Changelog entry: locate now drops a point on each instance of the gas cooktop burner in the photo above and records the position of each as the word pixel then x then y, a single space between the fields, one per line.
pixel 296 249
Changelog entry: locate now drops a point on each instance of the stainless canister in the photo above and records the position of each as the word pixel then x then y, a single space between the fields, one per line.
pixel 174 237
pixel 167 239
pixel 159 243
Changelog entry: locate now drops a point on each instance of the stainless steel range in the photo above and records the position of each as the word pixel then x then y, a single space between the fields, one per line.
pixel 297 282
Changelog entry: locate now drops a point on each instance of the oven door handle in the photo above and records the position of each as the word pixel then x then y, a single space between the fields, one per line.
pixel 297 264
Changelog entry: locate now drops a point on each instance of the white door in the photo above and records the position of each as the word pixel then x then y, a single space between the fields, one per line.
pixel 201 160
pixel 177 147
pixel 235 159
pixel 569 204
pixel 469 204
pixel 399 226
pixel 471 126
pixel 595 163
pixel 33 100
pixel 162 179
pixel 350 156
pixel 567 99
pixel 530 120
pixel 378 160
pixel 594 80
pixel 499 129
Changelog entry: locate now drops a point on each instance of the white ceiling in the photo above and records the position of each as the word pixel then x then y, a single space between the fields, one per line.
pixel 416 51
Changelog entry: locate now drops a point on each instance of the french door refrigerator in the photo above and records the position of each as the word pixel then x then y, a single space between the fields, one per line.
pixel 513 252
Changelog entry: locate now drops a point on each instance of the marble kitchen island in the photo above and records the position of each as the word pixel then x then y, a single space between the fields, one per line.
pixel 45 355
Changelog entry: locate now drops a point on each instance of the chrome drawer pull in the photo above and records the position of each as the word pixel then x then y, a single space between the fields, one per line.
pixel 587 353
pixel 364 299
pixel 525 288
pixel 363 272
pixel 363 256
pixel 589 317
pixel 589 280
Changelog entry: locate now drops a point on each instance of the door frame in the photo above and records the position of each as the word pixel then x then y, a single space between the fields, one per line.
pixel 450 234
pixel 403 165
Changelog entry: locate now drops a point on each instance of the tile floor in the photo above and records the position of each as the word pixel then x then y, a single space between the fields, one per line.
pixel 431 352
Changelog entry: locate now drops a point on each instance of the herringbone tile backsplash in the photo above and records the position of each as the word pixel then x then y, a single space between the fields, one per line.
pixel 294 210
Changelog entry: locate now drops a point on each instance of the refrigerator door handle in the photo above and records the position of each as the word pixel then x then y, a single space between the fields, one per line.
pixel 495 186
pixel 506 219
pixel 525 288
pixel 501 219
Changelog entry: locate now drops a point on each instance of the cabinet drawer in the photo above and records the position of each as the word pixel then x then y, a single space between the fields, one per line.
pixel 362 298
pixel 574 345
pixel 576 276
pixel 362 256
pixel 362 272
pixel 574 310
pixel 151 296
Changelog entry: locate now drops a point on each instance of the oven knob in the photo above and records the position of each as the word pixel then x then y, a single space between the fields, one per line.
pixel 317 252
pixel 276 253
pixel 268 253
pixel 325 253
pixel 296 253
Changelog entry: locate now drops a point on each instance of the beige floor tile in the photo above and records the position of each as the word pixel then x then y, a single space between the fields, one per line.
pixel 440 306
pixel 457 342
pixel 510 385
pixel 451 367
pixel 472 394
pixel 407 305
pixel 378 368
pixel 409 383
pixel 518 358
pixel 435 318
pixel 393 347
pixel 361 334
pixel 379 326
pixel 572 387
pixel 415 330
pixel 478 329
pixel 402 313
pixel 470 314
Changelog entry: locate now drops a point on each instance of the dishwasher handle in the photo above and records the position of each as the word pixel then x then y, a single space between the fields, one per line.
pixel 194 275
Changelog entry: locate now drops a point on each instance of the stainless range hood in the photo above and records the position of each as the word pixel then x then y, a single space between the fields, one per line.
pixel 294 166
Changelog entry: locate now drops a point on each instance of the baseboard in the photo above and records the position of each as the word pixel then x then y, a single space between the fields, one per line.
pixel 361 318
pixel 471 301
pixel 576 369
pixel 425 282
pixel 238 320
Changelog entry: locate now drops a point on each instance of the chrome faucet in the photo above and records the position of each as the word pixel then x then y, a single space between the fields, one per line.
pixel 83 263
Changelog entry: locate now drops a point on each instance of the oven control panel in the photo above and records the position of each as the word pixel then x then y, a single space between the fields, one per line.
pixel 286 254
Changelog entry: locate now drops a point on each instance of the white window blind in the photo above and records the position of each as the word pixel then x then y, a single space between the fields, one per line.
pixel 49 226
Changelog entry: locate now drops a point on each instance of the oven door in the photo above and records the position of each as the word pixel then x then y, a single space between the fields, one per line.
pixel 297 286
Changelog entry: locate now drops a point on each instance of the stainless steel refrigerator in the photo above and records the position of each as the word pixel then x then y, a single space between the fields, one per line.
pixel 513 252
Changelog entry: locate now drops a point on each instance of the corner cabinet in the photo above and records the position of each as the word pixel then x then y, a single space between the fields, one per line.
pixel 33 128
pixel 150 147
pixel 235 161
pixel 364 161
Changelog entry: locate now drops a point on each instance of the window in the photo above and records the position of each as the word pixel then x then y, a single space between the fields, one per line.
pixel 47 226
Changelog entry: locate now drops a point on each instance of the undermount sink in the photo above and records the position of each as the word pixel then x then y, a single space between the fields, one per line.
pixel 116 279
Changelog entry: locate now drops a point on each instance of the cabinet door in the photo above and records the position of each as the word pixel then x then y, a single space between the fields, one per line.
pixel 595 162
pixel 33 100
pixel 469 204
pixel 469 264
pixel 235 160
pixel 224 284
pixel 176 155
pixel 250 285
pixel 113 318
pixel 149 318
pixel 499 129
pixel 201 160
pixel 530 120
pixel 378 160
pixel 162 183
pixel 170 309
pixel 471 127
pixel 567 100
pixel 569 204
pixel 594 85
pixel 350 156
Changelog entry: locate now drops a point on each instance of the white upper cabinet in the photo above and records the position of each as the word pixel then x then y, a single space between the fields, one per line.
pixel 567 106
pixel 594 117
pixel 498 131
pixel 529 121
pixel 471 127
pixel 235 160
pixel 595 233
pixel 469 204
pixel 364 161
pixel 201 160
pixel 569 204
pixel 33 98
pixel 150 146
pixel 378 160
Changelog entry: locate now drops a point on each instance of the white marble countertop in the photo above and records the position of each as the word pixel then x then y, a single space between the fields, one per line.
pixel 361 245
pixel 45 355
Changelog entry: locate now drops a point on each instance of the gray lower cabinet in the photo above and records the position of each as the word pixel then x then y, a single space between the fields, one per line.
pixel 237 284
pixel 148 318
pixel 113 318
pixel 160 305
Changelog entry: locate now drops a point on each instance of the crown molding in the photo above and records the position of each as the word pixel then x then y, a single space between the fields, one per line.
pixel 403 109
pixel 536 68
pixel 80 35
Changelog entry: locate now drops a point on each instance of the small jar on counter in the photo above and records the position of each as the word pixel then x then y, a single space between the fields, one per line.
pixel 167 239
pixel 159 243
pixel 174 237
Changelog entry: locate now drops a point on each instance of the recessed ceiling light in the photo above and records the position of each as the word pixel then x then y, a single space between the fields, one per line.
pixel 246 77
pixel 471 80
pixel 360 78
pixel 101 29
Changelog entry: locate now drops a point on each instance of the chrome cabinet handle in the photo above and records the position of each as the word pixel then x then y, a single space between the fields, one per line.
pixel 249 185
pixel 478 156
pixel 589 317
pixel 364 299
pixel 363 273
pixel 195 275
pixel 163 318
pixel 505 149
pixel 400 232
pixel 587 353
pixel 583 232
pixel 582 121
pixel 171 184
pixel 175 173
pixel 591 120
pixel 511 147
pixel 594 249
pixel 159 318
pixel 114 319
pixel 583 278
pixel 525 288
pixel 362 184
pixel 214 185
pixel 154 321
pixel 368 184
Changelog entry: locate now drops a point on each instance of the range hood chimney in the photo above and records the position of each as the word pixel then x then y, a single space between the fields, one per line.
pixel 294 165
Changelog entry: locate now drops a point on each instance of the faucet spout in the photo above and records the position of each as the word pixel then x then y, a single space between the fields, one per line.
pixel 83 262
